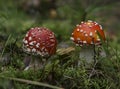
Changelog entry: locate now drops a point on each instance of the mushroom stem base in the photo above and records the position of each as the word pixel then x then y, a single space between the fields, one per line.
pixel 87 54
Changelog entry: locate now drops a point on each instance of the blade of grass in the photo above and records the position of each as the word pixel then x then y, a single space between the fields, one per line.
pixel 31 82
pixel 5 45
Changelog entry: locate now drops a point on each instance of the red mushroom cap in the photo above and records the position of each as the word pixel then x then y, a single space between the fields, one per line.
pixel 40 40
pixel 86 33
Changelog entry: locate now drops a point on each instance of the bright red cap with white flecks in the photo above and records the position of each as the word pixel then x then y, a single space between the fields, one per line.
pixel 40 40
pixel 88 33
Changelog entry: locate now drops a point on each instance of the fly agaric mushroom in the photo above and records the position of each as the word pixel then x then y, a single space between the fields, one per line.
pixel 87 35
pixel 40 41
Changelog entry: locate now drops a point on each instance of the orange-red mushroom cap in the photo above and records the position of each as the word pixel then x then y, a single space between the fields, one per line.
pixel 40 40
pixel 88 33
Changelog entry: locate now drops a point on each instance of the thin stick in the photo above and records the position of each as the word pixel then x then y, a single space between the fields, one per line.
pixel 31 82
pixel 94 51
pixel 5 45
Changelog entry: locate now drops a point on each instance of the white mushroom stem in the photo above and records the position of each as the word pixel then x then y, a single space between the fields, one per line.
pixel 87 53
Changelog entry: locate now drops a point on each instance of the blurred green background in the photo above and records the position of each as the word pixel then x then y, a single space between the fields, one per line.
pixel 16 17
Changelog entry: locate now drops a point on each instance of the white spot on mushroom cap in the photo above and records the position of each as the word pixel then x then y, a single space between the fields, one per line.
pixel 52 40
pixel 78 38
pixel 33 34
pixel 30 38
pixel 77 25
pixel 31 43
pixel 26 35
pixel 52 36
pixel 82 22
pixel 37 45
pixel 96 23
pixel 33 50
pixel 72 33
pixel 86 34
pixel 71 38
pixel 100 27
pixel 90 26
pixel 25 41
pixel 81 30
pixel 98 39
pixel 38 28
pixel 34 42
pixel 84 42
pixel 78 29
pixel 27 45
pixel 39 31
pixel 90 21
pixel 52 44
pixel 91 34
